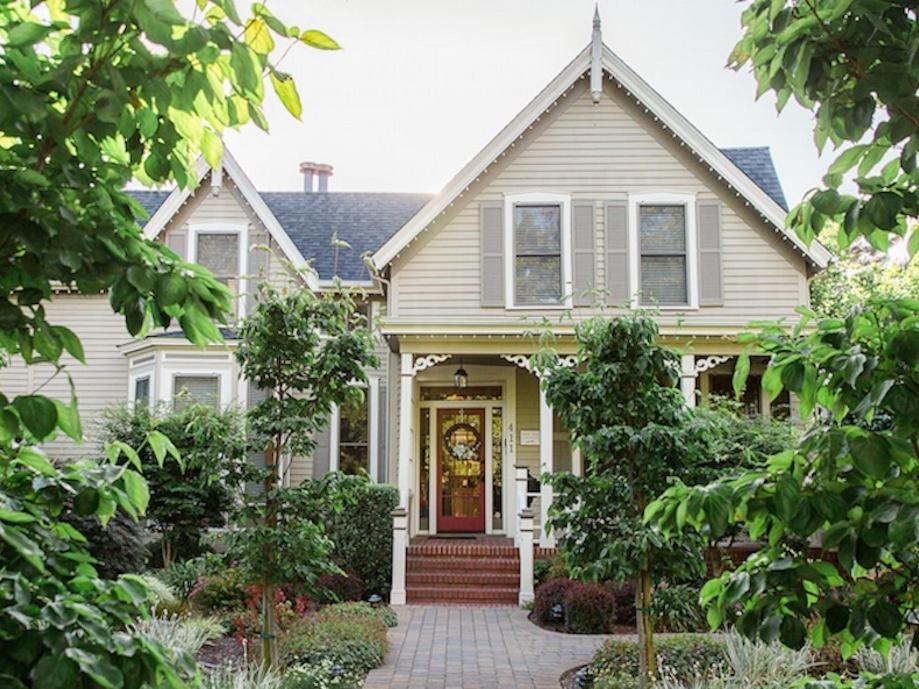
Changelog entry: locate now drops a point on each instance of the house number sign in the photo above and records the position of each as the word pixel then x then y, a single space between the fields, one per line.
pixel 529 437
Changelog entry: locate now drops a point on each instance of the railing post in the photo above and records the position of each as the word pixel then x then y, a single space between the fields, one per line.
pixel 399 546
pixel 520 490
pixel 688 376
pixel 526 556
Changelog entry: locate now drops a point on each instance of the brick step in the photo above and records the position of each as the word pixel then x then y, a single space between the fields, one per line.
pixel 489 580
pixel 424 564
pixel 457 594
pixel 454 550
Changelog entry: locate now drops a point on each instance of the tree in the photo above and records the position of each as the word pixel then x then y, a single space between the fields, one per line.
pixel 623 407
pixel 187 499
pixel 307 352
pixel 93 94
pixel 851 486
pixel 853 64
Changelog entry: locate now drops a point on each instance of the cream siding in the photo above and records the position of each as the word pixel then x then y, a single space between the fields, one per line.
pixel 103 381
pixel 598 153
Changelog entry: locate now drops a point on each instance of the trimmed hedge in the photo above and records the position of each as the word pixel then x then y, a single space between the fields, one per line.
pixel 680 657
pixel 362 533
pixel 589 608
pixel 548 595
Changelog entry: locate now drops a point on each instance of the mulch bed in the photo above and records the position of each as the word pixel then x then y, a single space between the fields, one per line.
pixel 226 651
pixel 560 626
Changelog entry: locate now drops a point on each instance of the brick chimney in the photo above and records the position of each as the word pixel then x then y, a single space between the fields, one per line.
pixel 320 171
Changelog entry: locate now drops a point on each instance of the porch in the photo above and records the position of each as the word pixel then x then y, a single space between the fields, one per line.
pixel 474 434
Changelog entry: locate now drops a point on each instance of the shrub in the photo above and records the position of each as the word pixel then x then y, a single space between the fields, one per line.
pixel 356 644
pixel 119 547
pixel 336 588
pixel 321 675
pixel 547 596
pixel 902 659
pixel 179 634
pixel 589 608
pixel 548 568
pixel 183 576
pixel 758 665
pixel 675 608
pixel 250 676
pixel 362 534
pixel 625 602
pixel 680 657
pixel 186 499
pixel 360 610
pixel 225 591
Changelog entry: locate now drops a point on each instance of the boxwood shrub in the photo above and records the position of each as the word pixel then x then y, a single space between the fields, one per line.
pixel 362 533
pixel 680 657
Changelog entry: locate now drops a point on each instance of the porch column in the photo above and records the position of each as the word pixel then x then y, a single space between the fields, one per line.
pixel 399 545
pixel 688 378
pixel 546 465
pixel 520 486
pixel 526 594
pixel 405 429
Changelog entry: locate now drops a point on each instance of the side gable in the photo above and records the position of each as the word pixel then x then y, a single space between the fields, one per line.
pixel 168 209
pixel 663 112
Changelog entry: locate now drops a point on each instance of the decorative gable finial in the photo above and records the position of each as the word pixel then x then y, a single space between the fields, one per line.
pixel 596 51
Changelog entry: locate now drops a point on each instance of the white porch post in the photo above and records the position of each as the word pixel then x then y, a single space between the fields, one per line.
pixel 405 429
pixel 688 376
pixel 520 486
pixel 399 545
pixel 546 465
pixel 373 411
pixel 526 556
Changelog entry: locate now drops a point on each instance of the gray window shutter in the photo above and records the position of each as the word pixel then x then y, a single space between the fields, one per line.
pixel 617 252
pixel 321 452
pixel 710 269
pixel 178 242
pixel 582 245
pixel 491 224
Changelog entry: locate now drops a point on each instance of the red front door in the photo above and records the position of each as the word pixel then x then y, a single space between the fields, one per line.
pixel 461 470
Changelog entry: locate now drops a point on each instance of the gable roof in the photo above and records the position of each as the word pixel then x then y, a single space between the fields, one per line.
pixel 756 163
pixel 744 183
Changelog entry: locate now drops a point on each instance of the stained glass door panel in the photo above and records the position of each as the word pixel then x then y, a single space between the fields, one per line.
pixel 461 470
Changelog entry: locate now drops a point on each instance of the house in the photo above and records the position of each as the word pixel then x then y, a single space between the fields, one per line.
pixel 598 194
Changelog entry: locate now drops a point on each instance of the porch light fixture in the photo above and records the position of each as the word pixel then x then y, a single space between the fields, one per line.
pixel 461 378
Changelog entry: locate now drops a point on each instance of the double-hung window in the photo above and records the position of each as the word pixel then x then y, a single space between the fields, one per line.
pixel 196 389
pixel 218 248
pixel 539 251
pixel 664 254
pixel 354 437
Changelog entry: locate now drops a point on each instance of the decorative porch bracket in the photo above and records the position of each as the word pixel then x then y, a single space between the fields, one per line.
pixel 690 368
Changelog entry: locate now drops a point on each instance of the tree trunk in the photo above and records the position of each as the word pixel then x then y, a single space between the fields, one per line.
pixel 269 614
pixel 166 551
pixel 647 659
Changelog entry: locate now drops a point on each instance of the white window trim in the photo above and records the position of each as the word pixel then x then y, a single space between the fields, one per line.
pixel 134 378
pixel 687 199
pixel 535 198
pixel 242 230
pixel 224 382
pixel 372 393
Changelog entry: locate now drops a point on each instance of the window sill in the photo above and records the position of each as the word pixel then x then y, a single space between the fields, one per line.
pixel 538 307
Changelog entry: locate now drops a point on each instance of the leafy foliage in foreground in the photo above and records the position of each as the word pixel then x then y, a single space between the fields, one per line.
pixel 852 483
pixel 853 64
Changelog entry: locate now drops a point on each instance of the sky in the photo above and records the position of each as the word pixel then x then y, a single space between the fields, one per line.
pixel 421 86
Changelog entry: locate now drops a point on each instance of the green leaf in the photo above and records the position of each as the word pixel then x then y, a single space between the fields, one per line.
pixel 171 289
pixel 741 371
pixel 826 201
pixel 54 672
pixel 884 617
pixel 160 444
pixel 70 342
pixel 871 455
pixel 23 545
pixel 837 617
pixel 26 34
pixel 37 413
pixel 33 458
pixel 286 90
pixel 68 419
pixel 137 490
pixel 772 382
pixel 847 159
pixel 211 148
pixel 97 666
pixel 317 39
pixel 257 36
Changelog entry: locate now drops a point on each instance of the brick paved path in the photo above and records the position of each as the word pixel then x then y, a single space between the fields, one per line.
pixel 464 647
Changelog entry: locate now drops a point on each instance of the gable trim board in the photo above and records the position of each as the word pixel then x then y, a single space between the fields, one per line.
pixel 662 111
pixel 179 196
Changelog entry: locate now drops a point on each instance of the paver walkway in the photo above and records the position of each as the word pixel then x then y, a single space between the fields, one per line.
pixel 465 647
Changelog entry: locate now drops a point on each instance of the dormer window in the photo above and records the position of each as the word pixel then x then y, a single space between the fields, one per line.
pixel 537 227
pixel 218 247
